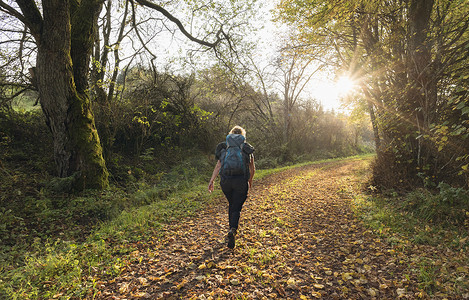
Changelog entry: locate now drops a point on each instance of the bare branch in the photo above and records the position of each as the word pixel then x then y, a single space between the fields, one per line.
pixel 219 35
pixel 12 12
pixel 138 33
pixel 117 59
pixel 31 16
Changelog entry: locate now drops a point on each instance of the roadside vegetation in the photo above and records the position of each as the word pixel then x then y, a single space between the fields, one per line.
pixel 431 226
pixel 101 164
pixel 160 158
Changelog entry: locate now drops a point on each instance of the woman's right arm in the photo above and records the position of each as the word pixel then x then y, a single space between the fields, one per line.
pixel 214 175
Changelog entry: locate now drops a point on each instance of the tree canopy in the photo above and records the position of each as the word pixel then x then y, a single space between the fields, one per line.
pixel 408 57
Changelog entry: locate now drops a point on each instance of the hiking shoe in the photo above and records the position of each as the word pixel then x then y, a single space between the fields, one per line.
pixel 231 238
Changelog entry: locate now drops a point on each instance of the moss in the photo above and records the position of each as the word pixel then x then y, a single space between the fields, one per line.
pixel 85 137
pixel 64 185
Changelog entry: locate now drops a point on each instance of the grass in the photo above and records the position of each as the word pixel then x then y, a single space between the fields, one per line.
pixel 421 216
pixel 266 172
pixel 437 220
pixel 60 267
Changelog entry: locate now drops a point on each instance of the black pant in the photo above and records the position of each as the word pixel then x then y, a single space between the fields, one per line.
pixel 236 191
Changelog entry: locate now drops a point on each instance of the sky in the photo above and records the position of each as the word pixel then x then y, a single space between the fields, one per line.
pixel 169 48
pixel 323 86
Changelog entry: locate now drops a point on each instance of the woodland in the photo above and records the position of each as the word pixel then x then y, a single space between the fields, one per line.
pixel 110 112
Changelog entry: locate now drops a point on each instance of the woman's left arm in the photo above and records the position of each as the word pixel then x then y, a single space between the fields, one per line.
pixel 252 170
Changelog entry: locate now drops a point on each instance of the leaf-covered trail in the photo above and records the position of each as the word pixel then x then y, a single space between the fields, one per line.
pixel 298 239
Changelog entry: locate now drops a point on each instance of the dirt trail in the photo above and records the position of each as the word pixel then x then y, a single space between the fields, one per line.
pixel 298 239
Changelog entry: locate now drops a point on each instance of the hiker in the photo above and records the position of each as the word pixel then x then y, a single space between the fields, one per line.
pixel 235 164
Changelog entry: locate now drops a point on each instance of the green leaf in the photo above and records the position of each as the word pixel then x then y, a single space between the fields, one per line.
pixel 460 105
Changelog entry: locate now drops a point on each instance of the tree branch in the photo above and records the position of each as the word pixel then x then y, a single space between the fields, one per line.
pixel 220 34
pixel 12 12
pixel 31 16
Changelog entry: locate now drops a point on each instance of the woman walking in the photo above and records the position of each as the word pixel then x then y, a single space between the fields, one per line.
pixel 235 164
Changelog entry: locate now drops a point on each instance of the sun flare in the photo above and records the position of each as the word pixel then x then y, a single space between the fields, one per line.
pixel 344 85
pixel 330 93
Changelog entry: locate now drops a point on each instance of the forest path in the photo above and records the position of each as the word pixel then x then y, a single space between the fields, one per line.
pixel 298 239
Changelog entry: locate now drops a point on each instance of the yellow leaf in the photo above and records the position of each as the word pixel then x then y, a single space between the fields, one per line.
pixel 318 286
pixel 141 295
pixel 181 285
pixel 316 295
pixel 383 286
pixel 291 281
pixel 143 281
pixel 303 297
pixel 347 276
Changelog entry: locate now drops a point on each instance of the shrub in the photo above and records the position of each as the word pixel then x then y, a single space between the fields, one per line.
pixel 449 206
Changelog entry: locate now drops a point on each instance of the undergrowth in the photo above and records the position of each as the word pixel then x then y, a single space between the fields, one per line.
pixel 424 218
pixel 58 267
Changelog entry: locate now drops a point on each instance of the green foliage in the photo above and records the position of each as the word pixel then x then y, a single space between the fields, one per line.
pixel 421 216
pixel 449 206
pixel 424 218
pixel 59 263
pixel 427 274
pixel 419 103
pixel 55 270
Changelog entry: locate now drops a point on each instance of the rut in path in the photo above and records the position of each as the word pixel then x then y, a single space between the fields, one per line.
pixel 298 239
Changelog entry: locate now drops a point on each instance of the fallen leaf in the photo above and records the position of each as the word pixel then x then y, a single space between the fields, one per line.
pixel 347 276
pixel 400 292
pixel 124 288
pixel 143 281
pixel 316 295
pixel 318 286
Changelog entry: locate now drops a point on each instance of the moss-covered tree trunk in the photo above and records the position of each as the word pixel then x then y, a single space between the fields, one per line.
pixel 62 70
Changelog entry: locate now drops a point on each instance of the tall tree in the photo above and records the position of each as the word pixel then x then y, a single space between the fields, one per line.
pixel 63 35
pixel 295 74
pixel 64 32
pixel 405 53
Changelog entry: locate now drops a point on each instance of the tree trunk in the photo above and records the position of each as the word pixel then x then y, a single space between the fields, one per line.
pixel 286 122
pixel 77 150
pixel 374 121
pixel 421 95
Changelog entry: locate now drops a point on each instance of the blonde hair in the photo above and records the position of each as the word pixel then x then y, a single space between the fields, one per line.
pixel 238 130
